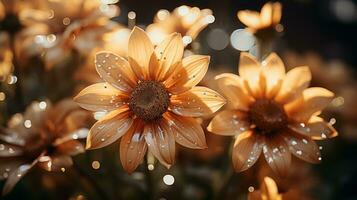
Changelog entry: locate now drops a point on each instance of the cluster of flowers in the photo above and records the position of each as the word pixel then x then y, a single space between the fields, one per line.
pixel 149 95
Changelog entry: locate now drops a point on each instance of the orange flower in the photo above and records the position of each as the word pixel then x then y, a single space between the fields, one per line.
pixel 151 99
pixel 189 21
pixel 268 17
pixel 44 137
pixel 59 27
pixel 273 112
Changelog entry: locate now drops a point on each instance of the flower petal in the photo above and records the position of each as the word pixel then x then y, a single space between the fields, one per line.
pixel 140 49
pixel 233 88
pixel 169 52
pixel 250 70
pixel 188 75
pixel 229 122
pixel 8 150
pixel 249 18
pixel 71 147
pixel 266 14
pixel 186 130
pixel 197 102
pixel 246 150
pixel 115 70
pixel 295 82
pixel 133 147
pixel 303 147
pixel 161 143
pixel 100 97
pixel 274 72
pixel 269 189
pixel 313 100
pixel 316 129
pixel 16 175
pixel 109 129
pixel 277 155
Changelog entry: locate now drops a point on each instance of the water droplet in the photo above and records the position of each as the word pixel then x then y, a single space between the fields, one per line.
pixel 299 152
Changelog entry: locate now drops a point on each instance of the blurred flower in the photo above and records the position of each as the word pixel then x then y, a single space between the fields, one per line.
pixel 265 21
pixel 189 21
pixel 6 56
pixel 342 109
pixel 268 191
pixel 273 112
pixel 44 136
pixel 115 41
pixel 151 100
pixel 59 27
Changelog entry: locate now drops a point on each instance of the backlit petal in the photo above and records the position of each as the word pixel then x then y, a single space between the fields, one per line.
pixel 266 14
pixel 303 147
pixel 109 129
pixel 168 53
pixel 277 155
pixel 274 72
pixel 187 75
pixel 71 147
pixel 100 97
pixel 160 143
pixel 115 70
pixel 313 100
pixel 198 101
pixel 250 70
pixel 249 18
pixel 133 147
pixel 246 150
pixel 140 49
pixel 232 87
pixel 295 82
pixel 316 129
pixel 229 122
pixel 186 130
pixel 269 189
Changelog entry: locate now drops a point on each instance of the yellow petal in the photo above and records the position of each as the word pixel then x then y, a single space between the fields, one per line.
pixel 100 97
pixel 109 129
pixel 115 70
pixel 169 53
pixel 266 14
pixel 229 122
pixel 133 147
pixel 276 12
pixel 187 131
pixel 313 100
pixel 188 75
pixel 246 150
pixel 199 101
pixel 316 129
pixel 250 70
pixel 140 49
pixel 295 82
pixel 274 72
pixel 232 87
pixel 161 143
pixel 269 189
pixel 249 18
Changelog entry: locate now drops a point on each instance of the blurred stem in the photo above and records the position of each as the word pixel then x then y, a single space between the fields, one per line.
pixel 264 48
pixel 17 72
pixel 150 160
pixel 227 179
pixel 91 182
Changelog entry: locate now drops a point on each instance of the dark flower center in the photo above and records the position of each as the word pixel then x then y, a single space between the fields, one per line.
pixel 149 100
pixel 10 24
pixel 267 116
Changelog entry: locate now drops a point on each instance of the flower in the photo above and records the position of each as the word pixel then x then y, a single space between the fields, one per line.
pixel 60 27
pixel 273 112
pixel 189 21
pixel 267 20
pixel 151 99
pixel 268 191
pixel 44 136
